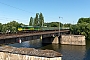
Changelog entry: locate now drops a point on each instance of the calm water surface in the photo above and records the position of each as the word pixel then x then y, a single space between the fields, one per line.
pixel 69 52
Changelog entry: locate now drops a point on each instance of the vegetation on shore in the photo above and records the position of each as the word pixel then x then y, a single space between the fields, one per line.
pixel 82 27
pixel 10 26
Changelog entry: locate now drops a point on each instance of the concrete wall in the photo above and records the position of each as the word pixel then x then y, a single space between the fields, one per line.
pixel 73 39
pixel 55 40
pixel 10 56
pixel 13 53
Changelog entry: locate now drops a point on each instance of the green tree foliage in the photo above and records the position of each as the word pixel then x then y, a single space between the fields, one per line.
pixel 11 26
pixel 0 27
pixel 67 25
pixel 36 20
pixel 14 29
pixel 81 20
pixel 4 28
pixel 82 27
pixel 53 24
pixel 31 21
pixel 47 24
pixel 56 24
pixel 41 19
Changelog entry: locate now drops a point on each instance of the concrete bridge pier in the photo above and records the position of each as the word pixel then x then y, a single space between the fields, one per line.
pixel 51 40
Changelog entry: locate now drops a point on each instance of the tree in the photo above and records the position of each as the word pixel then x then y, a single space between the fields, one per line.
pixel 4 28
pixel 47 24
pixel 11 26
pixel 36 21
pixel 82 27
pixel 67 25
pixel 81 20
pixel 31 21
pixel 13 29
pixel 41 19
pixel 0 27
pixel 54 24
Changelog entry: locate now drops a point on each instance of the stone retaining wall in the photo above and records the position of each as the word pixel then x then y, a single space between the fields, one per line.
pixel 13 53
pixel 10 56
pixel 73 39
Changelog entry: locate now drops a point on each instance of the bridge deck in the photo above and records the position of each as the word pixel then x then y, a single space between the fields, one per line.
pixel 29 34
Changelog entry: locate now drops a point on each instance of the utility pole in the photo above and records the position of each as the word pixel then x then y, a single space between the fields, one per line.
pixel 42 23
pixel 59 25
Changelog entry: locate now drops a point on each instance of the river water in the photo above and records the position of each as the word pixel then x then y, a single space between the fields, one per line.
pixel 69 52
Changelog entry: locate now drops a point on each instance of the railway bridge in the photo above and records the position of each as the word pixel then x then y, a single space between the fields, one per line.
pixel 14 38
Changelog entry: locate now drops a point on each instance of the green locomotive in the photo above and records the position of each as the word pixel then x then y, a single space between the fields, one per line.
pixel 37 28
pixel 28 28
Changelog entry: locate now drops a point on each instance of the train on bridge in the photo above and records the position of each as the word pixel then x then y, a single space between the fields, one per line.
pixel 38 28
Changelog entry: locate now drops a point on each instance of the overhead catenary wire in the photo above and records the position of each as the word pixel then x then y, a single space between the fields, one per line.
pixel 10 18
pixel 16 8
pixel 20 9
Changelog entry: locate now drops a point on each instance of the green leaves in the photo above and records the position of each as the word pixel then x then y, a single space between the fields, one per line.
pixel 82 27
pixel 31 21
pixel 54 24
pixel 10 26
pixel 41 20
pixel 82 20
pixel 0 27
pixel 37 21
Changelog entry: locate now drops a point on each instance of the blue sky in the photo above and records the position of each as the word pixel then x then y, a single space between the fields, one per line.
pixel 22 10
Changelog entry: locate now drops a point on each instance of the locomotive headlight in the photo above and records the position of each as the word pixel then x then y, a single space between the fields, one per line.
pixel 19 29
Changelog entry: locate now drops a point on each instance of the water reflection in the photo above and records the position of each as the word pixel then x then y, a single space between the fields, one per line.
pixel 69 52
pixel 72 52
pixel 28 44
pixel 87 54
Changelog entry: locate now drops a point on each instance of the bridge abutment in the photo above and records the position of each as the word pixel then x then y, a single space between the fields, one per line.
pixel 51 40
pixel 73 39
pixel 66 39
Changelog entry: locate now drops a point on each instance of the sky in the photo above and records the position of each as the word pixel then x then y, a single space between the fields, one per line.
pixel 22 10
